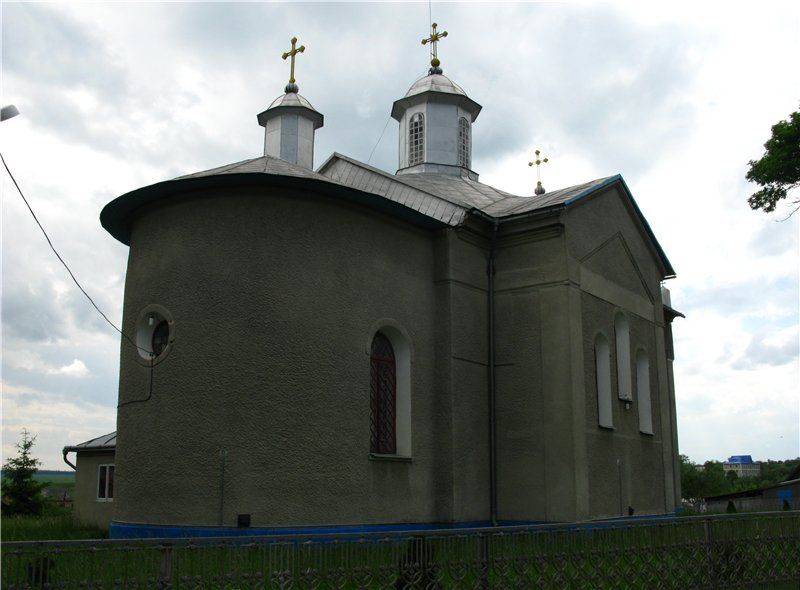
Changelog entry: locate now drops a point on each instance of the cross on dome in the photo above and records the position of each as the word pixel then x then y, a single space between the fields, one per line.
pixel 291 86
pixel 433 40
pixel 539 188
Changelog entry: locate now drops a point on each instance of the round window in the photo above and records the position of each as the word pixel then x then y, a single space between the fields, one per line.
pixel 154 333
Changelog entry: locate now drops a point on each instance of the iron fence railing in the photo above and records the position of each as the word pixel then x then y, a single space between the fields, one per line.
pixel 737 551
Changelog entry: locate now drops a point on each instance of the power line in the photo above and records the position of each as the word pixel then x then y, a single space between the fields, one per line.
pixel 75 280
pixel 379 139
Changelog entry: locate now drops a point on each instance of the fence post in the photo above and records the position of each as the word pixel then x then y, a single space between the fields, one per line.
pixel 165 567
pixel 710 557
pixel 483 568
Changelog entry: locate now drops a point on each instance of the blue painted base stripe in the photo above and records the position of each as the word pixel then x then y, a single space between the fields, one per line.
pixel 121 530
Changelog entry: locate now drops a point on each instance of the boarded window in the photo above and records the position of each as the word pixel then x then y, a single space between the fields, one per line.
pixel 383 396
pixel 463 143
pixel 602 361
pixel 643 392
pixel 622 333
pixel 416 139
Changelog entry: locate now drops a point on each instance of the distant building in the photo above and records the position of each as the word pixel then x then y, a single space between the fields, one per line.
pixel 781 496
pixel 94 479
pixel 743 465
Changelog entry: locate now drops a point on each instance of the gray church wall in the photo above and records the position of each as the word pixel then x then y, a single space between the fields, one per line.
pixel 461 281
pixel 273 297
pixel 619 274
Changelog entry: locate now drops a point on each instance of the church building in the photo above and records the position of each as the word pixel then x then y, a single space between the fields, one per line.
pixel 346 348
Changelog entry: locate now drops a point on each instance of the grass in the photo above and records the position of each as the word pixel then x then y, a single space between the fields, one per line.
pixel 57 525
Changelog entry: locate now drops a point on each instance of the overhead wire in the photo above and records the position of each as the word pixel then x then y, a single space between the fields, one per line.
pixel 63 262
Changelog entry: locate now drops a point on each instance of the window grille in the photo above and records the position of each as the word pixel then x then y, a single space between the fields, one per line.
pixel 416 139
pixel 463 143
pixel 383 397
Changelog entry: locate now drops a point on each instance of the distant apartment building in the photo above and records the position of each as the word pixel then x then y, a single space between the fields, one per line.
pixel 743 465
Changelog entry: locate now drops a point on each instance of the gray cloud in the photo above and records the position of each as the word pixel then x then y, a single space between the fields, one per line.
pixel 747 297
pixel 759 353
pixel 62 52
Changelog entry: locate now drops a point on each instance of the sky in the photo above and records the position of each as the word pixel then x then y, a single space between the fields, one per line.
pixel 676 97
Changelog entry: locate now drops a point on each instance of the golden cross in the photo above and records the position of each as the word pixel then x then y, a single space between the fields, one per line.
pixel 291 54
pixel 433 40
pixel 539 188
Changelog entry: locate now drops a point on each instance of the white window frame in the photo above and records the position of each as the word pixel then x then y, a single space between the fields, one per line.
pixel 416 139
pixel 464 142
pixel 105 498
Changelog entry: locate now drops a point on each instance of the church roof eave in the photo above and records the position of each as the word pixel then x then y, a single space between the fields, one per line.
pixel 462 100
pixel 117 215
pixel 593 188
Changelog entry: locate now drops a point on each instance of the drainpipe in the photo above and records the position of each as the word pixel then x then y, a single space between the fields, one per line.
pixel 490 271
pixel 64 452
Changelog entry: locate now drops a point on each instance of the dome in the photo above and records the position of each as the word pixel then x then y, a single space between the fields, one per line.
pixel 435 83
pixel 291 99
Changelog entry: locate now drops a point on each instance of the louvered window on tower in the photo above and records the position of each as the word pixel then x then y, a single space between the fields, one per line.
pixel 416 139
pixel 463 143
pixel 383 397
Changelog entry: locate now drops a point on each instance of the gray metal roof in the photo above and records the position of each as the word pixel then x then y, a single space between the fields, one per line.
pixel 432 198
pixel 291 99
pixel 101 443
pixel 459 191
pixel 264 164
pixel 435 83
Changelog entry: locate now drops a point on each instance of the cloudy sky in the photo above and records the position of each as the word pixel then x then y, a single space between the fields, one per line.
pixel 677 99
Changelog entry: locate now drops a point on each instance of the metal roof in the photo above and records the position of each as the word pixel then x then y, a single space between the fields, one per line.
pixel 422 198
pixel 101 443
pixel 264 165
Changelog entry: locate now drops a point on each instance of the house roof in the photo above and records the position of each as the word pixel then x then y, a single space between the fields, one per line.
pixel 107 442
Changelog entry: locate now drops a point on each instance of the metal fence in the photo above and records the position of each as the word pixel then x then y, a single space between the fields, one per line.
pixel 739 551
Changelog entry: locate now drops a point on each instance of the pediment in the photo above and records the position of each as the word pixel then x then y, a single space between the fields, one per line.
pixel 613 261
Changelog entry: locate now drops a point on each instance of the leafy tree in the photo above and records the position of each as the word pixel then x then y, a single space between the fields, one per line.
pixel 778 170
pixel 21 493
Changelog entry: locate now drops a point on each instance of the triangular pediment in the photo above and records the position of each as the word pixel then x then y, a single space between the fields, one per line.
pixel 613 260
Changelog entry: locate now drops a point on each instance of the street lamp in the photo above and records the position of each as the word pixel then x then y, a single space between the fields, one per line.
pixel 8 111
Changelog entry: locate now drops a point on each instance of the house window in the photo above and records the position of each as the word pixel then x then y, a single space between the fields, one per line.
pixel 463 143
pixel 622 333
pixel 105 483
pixel 383 396
pixel 643 392
pixel 602 362
pixel 416 139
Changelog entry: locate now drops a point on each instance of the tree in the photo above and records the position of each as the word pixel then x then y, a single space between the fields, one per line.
pixel 21 493
pixel 778 170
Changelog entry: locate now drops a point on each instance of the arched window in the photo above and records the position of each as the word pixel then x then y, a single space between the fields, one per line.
pixel 463 143
pixel 383 396
pixel 622 333
pixel 602 363
pixel 416 139
pixel 643 392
